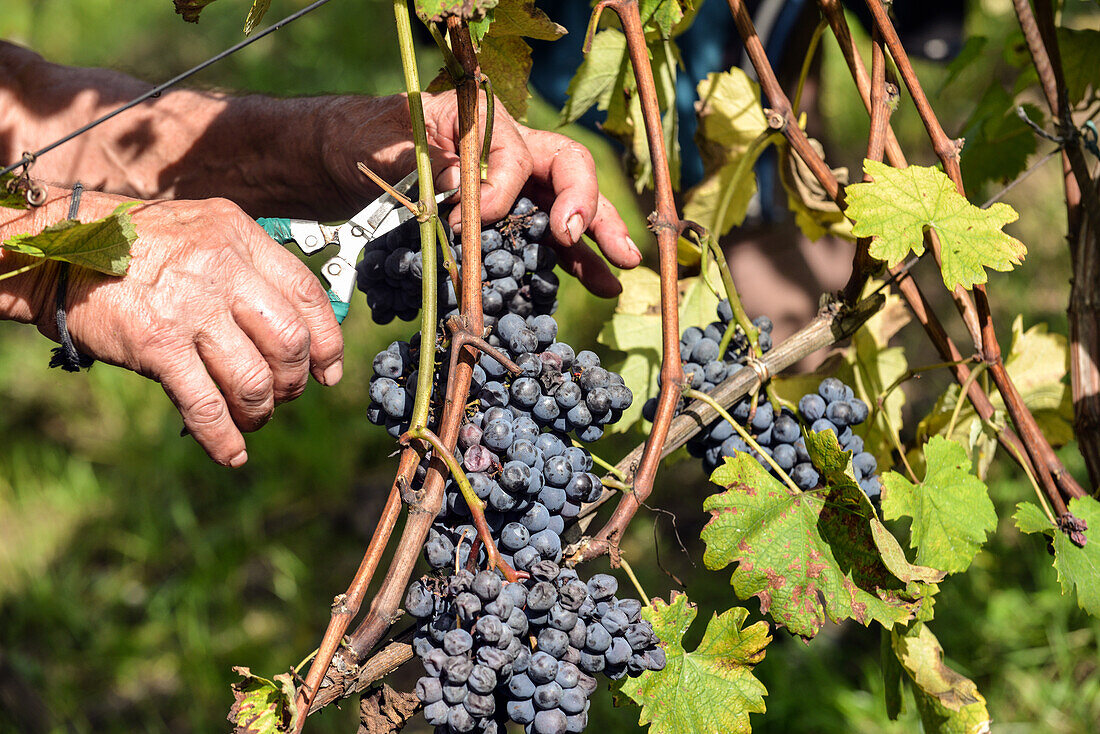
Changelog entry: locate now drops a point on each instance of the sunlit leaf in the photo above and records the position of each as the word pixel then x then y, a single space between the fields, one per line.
pixel 262 706
pixel 898 204
pixel 951 510
pixel 102 245
pixel 1078 568
pixel 804 555
pixel 594 82
pixel 948 703
pixel 255 15
pixel 711 689
pixel 731 136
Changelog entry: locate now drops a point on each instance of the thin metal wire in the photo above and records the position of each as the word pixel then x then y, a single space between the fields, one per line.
pixel 29 158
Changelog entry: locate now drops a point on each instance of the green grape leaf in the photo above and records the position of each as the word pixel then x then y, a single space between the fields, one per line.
pixel 998 142
pixel 1077 567
pixel 102 245
pixel 1037 362
pixel 596 78
pixel 11 199
pixel 711 689
pixel 438 10
pixel 522 18
pixel 1079 49
pixel 664 15
pixel 732 134
pixel 948 702
pixel 951 510
pixel 898 204
pixel 262 706
pixel 255 15
pixel 805 555
pixel 835 466
pixel 635 328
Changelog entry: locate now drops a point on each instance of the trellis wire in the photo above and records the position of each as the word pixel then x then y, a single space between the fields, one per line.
pixel 29 158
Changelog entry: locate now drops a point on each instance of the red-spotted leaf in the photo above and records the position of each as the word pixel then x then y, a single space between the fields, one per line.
pixel 804 555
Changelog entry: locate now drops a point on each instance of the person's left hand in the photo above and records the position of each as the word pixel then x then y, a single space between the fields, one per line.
pixel 557 173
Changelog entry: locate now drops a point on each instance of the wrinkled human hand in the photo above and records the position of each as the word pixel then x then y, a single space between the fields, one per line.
pixel 558 174
pixel 228 321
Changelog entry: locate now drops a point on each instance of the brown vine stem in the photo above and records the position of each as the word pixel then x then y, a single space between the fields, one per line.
pixel 863 265
pixel 907 286
pixel 665 223
pixel 346 606
pixel 1083 227
pixel 1049 470
pixel 834 14
pixel 385 604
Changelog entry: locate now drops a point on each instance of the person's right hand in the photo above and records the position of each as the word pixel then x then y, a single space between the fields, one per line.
pixel 228 321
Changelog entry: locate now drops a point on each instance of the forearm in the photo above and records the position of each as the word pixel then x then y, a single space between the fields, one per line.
pixel 268 155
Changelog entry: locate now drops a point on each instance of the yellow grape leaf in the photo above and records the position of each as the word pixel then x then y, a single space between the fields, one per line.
pixel 898 204
pixel 102 245
pixel 711 689
pixel 948 702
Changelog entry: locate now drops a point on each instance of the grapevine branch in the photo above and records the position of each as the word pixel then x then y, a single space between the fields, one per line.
pixel 907 286
pixel 1083 219
pixel 834 323
pixel 385 605
pixel 665 223
pixel 1051 474
pixel 1033 442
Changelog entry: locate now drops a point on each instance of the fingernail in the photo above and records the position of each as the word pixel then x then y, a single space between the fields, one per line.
pixel 575 226
pixel 239 460
pixel 333 373
pixel 633 248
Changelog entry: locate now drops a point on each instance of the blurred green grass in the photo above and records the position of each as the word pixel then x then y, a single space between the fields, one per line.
pixel 134 573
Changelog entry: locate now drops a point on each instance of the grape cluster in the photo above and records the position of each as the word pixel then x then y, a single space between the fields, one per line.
pixel 559 388
pixel 834 407
pixel 517 274
pixel 530 481
pixel 473 633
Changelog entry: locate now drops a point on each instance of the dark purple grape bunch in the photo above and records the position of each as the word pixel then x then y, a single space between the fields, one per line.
pixel 704 367
pixel 392 269
pixel 517 274
pixel 532 483
pixel 517 267
pixel 393 385
pixel 834 407
pixel 560 389
pixel 473 633
pixel 778 437
pixel 469 640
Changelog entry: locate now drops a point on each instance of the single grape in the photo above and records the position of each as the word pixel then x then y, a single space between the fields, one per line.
pixel 805 476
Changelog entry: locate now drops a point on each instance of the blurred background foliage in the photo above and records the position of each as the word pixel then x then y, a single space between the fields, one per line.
pixel 134 573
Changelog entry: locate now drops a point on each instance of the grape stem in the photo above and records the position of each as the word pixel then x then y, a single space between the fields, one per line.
pixel 974 374
pixel 600 462
pixel 476 505
pixel 634 580
pixel 722 413
pixel 461 337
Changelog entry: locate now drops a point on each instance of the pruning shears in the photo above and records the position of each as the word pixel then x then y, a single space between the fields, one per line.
pixel 382 215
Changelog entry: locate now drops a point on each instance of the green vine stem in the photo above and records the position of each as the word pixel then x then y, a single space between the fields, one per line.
pixel 476 505
pixel 490 116
pixel 974 374
pixel 634 580
pixel 723 413
pixel 807 61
